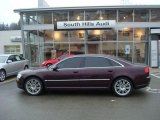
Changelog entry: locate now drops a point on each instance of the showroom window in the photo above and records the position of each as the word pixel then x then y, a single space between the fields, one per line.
pixel 92 15
pixel 125 15
pixel 76 15
pixel 12 49
pixel 30 18
pixel 44 17
pixel 60 16
pixel 141 34
pixel 125 34
pixel 109 15
pixel 155 16
pixel 141 15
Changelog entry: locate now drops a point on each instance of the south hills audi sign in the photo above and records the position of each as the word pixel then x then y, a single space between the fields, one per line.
pixel 85 24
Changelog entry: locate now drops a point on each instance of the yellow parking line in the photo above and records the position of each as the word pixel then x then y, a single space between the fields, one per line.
pixel 7 81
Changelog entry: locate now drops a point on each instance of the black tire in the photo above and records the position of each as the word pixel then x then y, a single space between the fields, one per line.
pixel 122 87
pixel 2 75
pixel 33 86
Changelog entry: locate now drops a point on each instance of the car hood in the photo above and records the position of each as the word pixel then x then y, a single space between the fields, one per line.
pixel 33 71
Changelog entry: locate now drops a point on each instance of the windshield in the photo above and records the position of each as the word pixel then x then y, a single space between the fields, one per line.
pixel 3 59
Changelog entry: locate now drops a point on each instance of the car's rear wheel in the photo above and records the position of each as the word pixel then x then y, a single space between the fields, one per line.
pixel 33 86
pixel 122 87
pixel 2 75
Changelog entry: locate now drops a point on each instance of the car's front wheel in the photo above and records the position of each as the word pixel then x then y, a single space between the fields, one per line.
pixel 33 86
pixel 2 75
pixel 122 87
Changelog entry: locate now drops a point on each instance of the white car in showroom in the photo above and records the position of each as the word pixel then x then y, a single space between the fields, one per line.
pixel 11 64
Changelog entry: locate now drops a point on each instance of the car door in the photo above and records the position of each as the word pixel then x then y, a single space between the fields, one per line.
pixel 19 63
pixel 66 74
pixel 11 67
pixel 97 72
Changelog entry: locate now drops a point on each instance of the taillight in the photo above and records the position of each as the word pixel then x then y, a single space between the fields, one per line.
pixel 146 69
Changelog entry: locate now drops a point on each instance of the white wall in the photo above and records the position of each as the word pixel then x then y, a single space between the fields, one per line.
pixel 5 39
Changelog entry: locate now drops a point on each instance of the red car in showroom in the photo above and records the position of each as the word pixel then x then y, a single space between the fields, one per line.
pixel 86 72
pixel 48 63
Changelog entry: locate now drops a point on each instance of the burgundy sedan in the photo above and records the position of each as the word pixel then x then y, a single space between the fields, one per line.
pixel 86 72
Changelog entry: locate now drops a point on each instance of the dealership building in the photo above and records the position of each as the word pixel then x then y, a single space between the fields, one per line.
pixel 11 42
pixel 131 32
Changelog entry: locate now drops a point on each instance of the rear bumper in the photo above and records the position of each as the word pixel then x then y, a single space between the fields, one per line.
pixel 145 83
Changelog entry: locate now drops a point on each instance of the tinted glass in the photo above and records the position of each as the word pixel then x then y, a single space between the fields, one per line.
pixel 70 63
pixel 97 62
pixel 21 58
pixel 17 58
pixel 12 57
pixel 114 63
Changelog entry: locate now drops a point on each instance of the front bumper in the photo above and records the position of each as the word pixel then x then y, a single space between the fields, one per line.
pixel 20 83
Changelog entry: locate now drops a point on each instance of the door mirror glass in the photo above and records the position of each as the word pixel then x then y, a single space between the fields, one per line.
pixel 9 61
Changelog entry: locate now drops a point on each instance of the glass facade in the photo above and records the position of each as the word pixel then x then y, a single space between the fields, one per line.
pixel 128 42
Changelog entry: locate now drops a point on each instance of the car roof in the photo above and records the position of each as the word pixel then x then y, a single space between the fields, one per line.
pixel 93 55
pixel 122 61
pixel 6 54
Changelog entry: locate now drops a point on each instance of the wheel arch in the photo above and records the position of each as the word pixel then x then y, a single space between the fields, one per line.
pixel 34 76
pixel 4 71
pixel 123 76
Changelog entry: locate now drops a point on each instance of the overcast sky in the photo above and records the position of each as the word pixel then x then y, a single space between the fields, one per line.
pixel 7 6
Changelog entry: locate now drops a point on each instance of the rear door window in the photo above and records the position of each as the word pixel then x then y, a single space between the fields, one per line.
pixel 99 62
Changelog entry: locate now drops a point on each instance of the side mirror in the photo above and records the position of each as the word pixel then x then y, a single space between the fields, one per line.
pixel 55 68
pixel 9 61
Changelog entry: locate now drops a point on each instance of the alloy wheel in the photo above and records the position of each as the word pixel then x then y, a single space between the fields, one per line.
pixel 2 75
pixel 33 86
pixel 122 87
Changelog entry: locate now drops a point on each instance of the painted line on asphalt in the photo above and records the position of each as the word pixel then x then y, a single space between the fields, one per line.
pixel 148 89
pixel 7 81
pixel 155 76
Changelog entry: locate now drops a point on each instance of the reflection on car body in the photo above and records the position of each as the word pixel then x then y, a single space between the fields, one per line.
pixel 86 72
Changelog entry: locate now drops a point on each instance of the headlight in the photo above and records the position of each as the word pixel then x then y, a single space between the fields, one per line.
pixel 19 76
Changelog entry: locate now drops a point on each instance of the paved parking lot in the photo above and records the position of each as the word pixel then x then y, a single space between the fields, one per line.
pixel 79 105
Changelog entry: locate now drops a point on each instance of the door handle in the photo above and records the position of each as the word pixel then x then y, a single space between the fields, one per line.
pixel 110 71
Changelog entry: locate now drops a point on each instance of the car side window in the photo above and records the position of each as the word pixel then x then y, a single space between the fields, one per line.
pixel 97 62
pixel 17 58
pixel 114 63
pixel 21 58
pixel 70 63
pixel 12 57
